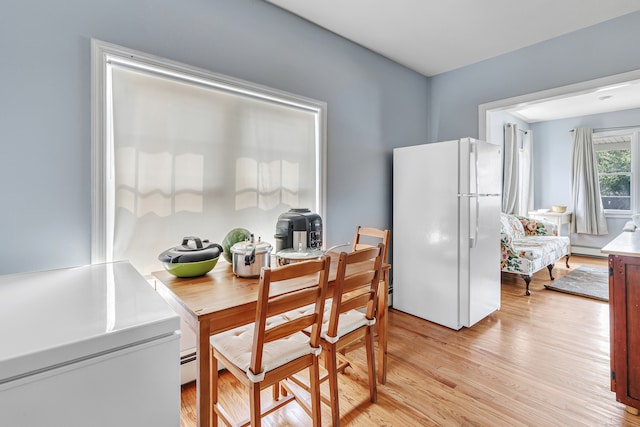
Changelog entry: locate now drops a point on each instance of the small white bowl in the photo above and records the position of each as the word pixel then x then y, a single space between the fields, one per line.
pixel 559 208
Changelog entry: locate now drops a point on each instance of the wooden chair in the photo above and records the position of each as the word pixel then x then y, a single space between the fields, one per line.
pixel 274 347
pixel 367 237
pixel 356 288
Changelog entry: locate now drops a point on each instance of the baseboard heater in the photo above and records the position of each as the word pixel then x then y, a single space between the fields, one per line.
pixel 191 357
pixel 586 251
pixel 188 366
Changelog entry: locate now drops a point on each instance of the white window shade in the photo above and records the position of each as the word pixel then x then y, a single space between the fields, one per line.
pixel 197 159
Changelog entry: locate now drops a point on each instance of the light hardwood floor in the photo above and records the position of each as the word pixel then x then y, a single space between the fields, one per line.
pixel 541 360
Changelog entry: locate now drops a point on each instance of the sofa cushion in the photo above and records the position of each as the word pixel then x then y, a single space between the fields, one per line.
pixel 511 225
pixel 347 322
pixel 534 252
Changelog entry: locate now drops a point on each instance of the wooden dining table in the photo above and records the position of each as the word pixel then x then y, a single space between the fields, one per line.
pixel 219 301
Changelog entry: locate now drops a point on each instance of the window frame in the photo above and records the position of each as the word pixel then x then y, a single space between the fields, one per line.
pixel 634 145
pixel 101 54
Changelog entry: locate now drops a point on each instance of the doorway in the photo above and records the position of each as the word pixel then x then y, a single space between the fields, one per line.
pixel 551 114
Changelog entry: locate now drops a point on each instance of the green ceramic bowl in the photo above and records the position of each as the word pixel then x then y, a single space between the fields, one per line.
pixel 193 258
pixel 190 269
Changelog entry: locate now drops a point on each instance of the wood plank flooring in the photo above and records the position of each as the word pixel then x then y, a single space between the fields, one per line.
pixel 541 360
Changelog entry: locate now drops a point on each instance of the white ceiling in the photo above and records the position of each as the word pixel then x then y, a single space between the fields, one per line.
pixel 605 99
pixel 436 36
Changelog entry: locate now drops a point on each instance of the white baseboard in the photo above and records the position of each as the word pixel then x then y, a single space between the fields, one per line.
pixel 583 250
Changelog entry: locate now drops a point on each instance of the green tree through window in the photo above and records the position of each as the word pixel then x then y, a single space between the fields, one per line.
pixel 614 172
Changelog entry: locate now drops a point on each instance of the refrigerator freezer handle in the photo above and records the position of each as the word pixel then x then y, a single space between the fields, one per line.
pixel 474 226
pixel 473 148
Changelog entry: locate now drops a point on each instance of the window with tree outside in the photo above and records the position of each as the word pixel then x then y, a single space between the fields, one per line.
pixel 616 155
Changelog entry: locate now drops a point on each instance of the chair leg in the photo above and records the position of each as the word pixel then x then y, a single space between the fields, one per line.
pixel 371 366
pixel 213 380
pixel 382 324
pixel 256 416
pixel 550 268
pixel 527 280
pixel 314 391
pixel 566 260
pixel 332 371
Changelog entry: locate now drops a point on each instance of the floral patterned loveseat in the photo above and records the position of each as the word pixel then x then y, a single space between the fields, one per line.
pixel 529 245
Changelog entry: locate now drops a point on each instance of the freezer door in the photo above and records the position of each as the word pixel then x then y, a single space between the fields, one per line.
pixel 489 168
pixel 480 167
pixel 479 258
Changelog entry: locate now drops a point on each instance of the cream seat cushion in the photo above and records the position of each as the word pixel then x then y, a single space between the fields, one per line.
pixel 236 345
pixel 347 322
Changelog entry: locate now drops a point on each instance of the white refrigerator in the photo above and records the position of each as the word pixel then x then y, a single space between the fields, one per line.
pixel 88 346
pixel 446 228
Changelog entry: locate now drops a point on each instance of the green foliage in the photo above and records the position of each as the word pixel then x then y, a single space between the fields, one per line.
pixel 614 161
pixel 615 185
pixel 614 172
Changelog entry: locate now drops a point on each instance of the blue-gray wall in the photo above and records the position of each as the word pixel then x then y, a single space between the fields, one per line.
pixel 552 164
pixel 374 105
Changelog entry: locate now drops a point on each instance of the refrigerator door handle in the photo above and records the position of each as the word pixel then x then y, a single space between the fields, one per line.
pixel 476 220
pixel 473 148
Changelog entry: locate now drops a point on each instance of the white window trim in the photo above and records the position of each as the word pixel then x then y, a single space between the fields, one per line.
pixel 635 165
pixel 103 52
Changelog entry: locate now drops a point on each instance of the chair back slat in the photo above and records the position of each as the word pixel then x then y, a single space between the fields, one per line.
pixel 288 328
pixel 356 302
pixel 313 277
pixel 279 304
pixel 358 280
pixel 294 271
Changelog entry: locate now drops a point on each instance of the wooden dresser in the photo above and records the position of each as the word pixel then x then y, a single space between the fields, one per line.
pixel 624 312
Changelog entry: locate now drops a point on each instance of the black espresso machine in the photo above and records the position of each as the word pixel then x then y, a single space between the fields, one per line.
pixel 298 229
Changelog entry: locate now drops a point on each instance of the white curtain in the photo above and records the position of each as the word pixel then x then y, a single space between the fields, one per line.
pixel 517 188
pixel 585 190
pixel 525 175
pixel 510 169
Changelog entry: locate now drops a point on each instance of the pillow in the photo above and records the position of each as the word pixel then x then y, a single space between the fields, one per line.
pixel 530 226
pixel 510 224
